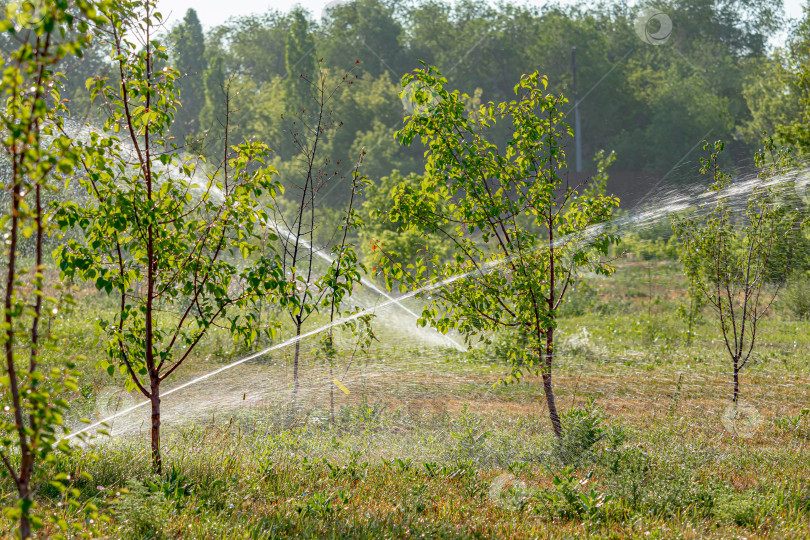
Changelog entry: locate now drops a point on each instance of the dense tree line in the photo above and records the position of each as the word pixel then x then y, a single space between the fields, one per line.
pixel 712 77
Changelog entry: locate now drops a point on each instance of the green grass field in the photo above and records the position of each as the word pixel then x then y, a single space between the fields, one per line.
pixel 426 444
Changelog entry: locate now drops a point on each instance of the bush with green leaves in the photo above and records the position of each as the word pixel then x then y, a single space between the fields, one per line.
pixel 585 431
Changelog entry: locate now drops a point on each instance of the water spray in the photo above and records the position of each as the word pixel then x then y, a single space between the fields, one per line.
pixel 366 282
pixel 290 341
pixel 675 204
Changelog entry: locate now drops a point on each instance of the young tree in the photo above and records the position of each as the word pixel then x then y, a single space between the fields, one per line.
pixel 728 257
pixel 37 36
pixel 338 283
pixel 308 288
pixel 173 247
pixel 519 231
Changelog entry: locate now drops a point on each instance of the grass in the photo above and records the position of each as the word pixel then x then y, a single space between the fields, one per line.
pixel 427 445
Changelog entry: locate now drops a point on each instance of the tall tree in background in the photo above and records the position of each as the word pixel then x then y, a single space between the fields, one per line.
pixel 213 114
pixel 299 56
pixel 189 61
pixel 797 132
pixel 368 31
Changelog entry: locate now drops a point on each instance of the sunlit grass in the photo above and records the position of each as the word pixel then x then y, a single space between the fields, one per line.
pixel 420 445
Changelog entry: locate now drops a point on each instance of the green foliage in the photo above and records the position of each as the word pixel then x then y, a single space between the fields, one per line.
pixel 324 505
pixel 571 500
pixel 35 379
pixel 367 31
pixel 772 97
pixel 141 511
pixel 728 260
pixel 214 114
pixel 177 250
pixel 794 130
pixel 652 108
pixel 584 430
pixel 189 60
pixel 470 436
pixel 520 234
pixel 796 297
pixel 392 235
pixel 299 56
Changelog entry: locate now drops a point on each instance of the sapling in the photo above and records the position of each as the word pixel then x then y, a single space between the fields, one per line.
pixel 513 221
pixel 176 248
pixel 727 257
pixel 34 389
pixel 308 288
pixel 339 282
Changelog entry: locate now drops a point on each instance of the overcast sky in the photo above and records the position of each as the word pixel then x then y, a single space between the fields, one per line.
pixel 214 12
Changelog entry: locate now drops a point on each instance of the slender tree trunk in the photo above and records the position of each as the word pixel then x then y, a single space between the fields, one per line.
pixel 24 488
pixel 295 363
pixel 736 379
pixel 157 462
pixel 547 386
pixel 23 481
pixel 25 525
pixel 331 391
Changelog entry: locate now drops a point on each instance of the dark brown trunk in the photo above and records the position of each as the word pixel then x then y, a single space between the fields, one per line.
pixel 549 359
pixel 547 385
pixel 736 380
pixel 26 458
pixel 157 462
pixel 25 527
pixel 24 491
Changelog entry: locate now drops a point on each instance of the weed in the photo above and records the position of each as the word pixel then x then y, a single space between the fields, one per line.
pixel 324 505
pixel 569 499
pixel 584 429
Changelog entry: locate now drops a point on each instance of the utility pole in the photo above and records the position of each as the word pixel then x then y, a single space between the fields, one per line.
pixel 577 125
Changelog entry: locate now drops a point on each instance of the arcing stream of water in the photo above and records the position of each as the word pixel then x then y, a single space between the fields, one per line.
pixel 736 195
pixel 291 341
pixel 367 283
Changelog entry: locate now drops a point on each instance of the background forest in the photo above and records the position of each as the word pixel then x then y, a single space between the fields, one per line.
pixel 714 77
